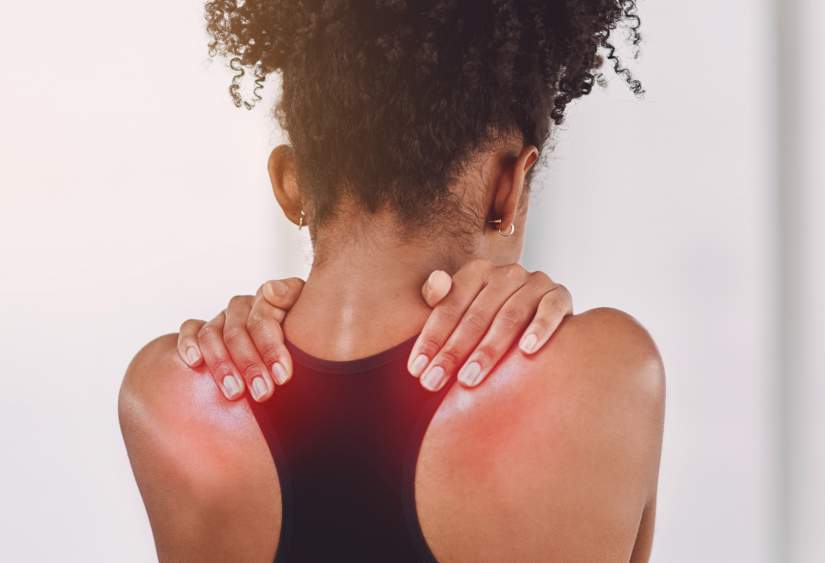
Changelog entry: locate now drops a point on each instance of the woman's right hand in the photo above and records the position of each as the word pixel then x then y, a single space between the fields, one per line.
pixel 243 346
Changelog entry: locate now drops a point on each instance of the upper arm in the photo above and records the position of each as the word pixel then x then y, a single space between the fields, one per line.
pixel 609 438
pixel 618 422
pixel 205 480
pixel 632 375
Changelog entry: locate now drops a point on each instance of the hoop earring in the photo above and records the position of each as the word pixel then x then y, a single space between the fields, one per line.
pixel 509 232
pixel 301 220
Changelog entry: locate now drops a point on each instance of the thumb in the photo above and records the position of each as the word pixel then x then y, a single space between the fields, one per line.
pixel 436 287
pixel 282 293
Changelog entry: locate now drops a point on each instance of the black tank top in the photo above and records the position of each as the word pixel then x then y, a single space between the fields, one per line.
pixel 345 437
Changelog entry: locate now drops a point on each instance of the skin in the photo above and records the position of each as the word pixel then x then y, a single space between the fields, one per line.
pixel 555 457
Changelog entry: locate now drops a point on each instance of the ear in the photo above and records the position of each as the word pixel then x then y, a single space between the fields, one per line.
pixel 284 178
pixel 510 186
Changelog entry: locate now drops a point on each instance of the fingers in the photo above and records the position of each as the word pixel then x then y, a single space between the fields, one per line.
pixel 503 282
pixel 265 331
pixel 539 294
pixel 242 350
pixel 241 345
pixel 440 324
pixel 221 367
pixel 281 294
pixel 430 356
pixel 556 304
pixel 188 349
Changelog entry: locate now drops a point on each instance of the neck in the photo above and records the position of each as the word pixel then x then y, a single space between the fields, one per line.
pixel 365 294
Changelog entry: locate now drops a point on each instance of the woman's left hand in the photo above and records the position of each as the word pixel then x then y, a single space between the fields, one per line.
pixel 478 313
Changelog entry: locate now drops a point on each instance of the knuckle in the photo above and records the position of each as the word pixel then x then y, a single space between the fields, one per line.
pixel 559 308
pixel 255 323
pixel 233 333
pixel 512 317
pixel 429 345
pixel 475 320
pixel 249 368
pixel 222 366
pixel 258 305
pixel 541 278
pixel 238 301
pixel 208 333
pixel 564 295
pixel 557 302
pixel 448 357
pixel 448 311
pixel 188 323
pixel 268 352
pixel 485 353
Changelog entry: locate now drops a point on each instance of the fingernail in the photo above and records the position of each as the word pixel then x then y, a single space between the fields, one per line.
pixel 275 289
pixel 470 373
pixel 192 355
pixel 280 373
pixel 279 287
pixel 434 379
pixel 260 387
pixel 418 364
pixel 231 386
pixel 429 282
pixel 528 343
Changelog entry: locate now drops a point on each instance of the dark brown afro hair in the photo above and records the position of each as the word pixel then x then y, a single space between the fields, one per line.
pixel 385 101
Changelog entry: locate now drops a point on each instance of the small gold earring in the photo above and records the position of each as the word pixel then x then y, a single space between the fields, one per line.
pixel 508 232
pixel 301 220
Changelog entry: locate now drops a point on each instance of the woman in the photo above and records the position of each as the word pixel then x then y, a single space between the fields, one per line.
pixel 411 129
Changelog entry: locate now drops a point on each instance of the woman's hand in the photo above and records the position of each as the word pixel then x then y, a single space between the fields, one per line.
pixel 477 313
pixel 245 338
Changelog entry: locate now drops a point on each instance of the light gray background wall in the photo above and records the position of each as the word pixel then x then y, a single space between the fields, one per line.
pixel 134 195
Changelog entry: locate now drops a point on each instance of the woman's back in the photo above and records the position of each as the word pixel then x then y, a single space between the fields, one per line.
pixel 554 458
pixel 344 436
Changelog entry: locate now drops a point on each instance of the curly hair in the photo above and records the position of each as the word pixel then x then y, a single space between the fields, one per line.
pixel 386 100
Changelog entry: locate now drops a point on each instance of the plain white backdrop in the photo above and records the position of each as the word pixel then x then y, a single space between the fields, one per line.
pixel 133 195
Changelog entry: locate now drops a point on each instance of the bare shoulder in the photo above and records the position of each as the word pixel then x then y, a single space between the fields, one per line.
pixel 601 379
pixel 563 446
pixel 615 349
pixel 163 396
pixel 603 358
pixel 193 450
